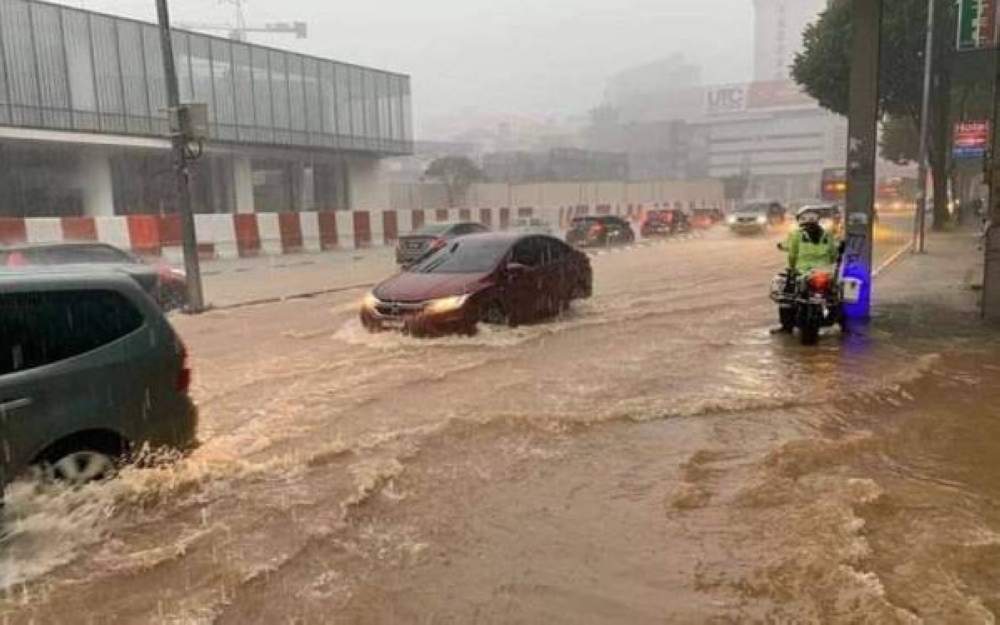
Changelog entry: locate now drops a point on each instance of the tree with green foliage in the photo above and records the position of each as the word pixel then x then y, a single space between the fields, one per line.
pixel 823 69
pixel 456 173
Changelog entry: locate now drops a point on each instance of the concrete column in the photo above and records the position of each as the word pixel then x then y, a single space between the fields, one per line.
pixel 367 189
pixel 94 181
pixel 243 184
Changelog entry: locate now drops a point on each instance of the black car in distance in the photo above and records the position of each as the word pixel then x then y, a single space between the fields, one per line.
pixel 431 237
pixel 600 231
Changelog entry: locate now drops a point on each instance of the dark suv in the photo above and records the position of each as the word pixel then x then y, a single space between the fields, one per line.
pixel 90 370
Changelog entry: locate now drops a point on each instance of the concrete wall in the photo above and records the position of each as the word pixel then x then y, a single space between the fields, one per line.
pixel 429 196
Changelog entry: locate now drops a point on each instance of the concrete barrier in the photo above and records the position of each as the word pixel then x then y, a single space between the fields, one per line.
pixel 251 234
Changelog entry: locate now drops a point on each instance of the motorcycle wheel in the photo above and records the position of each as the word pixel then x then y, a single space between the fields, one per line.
pixel 809 325
pixel 786 316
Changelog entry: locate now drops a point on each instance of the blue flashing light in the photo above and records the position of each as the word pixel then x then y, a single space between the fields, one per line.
pixel 861 310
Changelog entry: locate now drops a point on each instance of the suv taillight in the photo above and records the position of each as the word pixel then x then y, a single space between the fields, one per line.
pixel 183 382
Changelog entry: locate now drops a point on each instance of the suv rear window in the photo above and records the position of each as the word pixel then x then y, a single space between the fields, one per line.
pixel 45 327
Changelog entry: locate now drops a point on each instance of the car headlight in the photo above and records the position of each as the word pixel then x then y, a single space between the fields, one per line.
pixel 731 219
pixel 446 304
pixel 370 302
pixel 761 219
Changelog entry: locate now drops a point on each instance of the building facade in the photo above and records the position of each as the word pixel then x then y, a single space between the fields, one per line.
pixel 83 120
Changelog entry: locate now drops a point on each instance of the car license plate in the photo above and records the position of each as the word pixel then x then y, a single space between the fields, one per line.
pixel 392 324
pixel 413 245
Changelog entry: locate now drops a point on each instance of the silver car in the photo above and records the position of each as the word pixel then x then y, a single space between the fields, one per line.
pixel 431 237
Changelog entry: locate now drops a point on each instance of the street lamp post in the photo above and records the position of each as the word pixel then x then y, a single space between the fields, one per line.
pixel 179 134
pixel 920 220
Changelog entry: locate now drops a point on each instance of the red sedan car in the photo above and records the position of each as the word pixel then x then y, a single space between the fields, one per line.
pixel 498 278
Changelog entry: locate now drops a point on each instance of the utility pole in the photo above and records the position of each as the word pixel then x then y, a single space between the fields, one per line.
pixel 920 221
pixel 861 152
pixel 179 133
pixel 991 262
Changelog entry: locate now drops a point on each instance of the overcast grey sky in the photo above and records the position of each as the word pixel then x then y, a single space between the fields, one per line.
pixel 534 57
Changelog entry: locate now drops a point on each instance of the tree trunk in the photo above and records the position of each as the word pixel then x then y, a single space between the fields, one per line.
pixel 939 170
pixel 940 147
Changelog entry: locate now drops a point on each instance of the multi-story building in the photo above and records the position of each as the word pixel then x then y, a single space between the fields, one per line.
pixel 83 120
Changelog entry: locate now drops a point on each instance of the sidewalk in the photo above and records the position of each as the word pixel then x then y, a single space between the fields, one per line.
pixel 251 280
pixel 935 294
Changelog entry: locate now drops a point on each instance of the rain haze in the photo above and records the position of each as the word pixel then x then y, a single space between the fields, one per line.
pixel 527 311
pixel 541 59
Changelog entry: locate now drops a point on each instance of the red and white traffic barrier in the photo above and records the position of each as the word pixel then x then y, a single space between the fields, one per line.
pixel 253 234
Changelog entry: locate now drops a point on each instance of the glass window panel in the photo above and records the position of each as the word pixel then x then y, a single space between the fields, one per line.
pixel 371 110
pixel 243 74
pixel 357 103
pixel 53 87
pixel 83 99
pixel 385 121
pixel 130 50
pixel 4 95
pixel 342 98
pixel 201 73
pixel 314 109
pixel 182 61
pixel 407 114
pixel 279 96
pixel 262 94
pixel 15 23
pixel 328 98
pixel 156 85
pixel 222 72
pixel 296 93
pixel 107 73
pixel 396 108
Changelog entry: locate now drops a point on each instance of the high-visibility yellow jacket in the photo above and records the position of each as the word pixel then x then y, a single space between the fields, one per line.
pixel 811 247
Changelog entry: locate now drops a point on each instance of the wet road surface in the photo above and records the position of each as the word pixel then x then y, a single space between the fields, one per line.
pixel 654 456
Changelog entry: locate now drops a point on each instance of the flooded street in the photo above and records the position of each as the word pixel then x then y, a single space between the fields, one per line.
pixel 653 456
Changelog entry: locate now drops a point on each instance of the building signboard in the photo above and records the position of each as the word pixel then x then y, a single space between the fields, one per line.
pixel 726 99
pixel 977 24
pixel 971 139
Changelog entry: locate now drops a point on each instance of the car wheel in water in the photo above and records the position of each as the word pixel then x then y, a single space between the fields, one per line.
pixel 77 468
pixel 494 314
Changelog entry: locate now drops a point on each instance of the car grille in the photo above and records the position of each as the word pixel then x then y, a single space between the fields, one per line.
pixel 398 310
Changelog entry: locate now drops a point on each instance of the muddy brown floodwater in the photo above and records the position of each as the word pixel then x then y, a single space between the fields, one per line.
pixel 654 456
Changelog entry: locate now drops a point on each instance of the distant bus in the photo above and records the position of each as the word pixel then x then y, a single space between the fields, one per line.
pixel 834 186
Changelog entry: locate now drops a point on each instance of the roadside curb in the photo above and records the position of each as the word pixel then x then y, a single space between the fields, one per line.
pixel 892 260
pixel 287 298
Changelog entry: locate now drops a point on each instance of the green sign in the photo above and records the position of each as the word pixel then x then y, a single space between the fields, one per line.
pixel 977 24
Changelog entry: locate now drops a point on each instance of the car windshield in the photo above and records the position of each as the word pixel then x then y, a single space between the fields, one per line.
pixel 434 229
pixel 754 208
pixel 84 254
pixel 465 256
